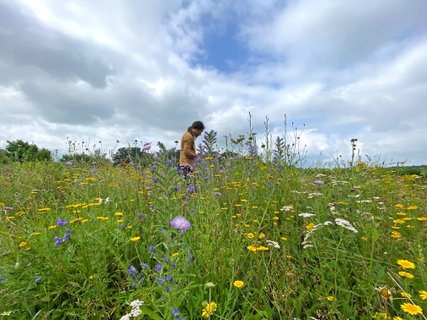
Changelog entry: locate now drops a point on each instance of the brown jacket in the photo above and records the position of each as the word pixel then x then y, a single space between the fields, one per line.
pixel 187 152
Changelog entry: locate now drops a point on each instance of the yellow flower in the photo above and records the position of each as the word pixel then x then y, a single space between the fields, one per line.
pixel 174 254
pixel 118 213
pixel 406 274
pixel 399 205
pixel 331 298
pixel 22 244
pixel 251 248
pixel 423 294
pixel 238 283
pixel 208 158
pixel 263 248
pixel 422 218
pixel 102 218
pixel 309 226
pixel 283 238
pixel 397 318
pixel 44 209
pixel 405 295
pixel 209 309
pixel 395 234
pixel 411 207
pixel 135 238
pixel 261 236
pixel 405 264
pixel 412 309
pixel 52 227
pixel 250 235
pixel 400 221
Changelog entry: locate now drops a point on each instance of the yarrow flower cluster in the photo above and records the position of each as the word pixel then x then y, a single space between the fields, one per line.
pixel 135 312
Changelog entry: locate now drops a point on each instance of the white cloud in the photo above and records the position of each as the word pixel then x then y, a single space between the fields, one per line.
pixel 134 71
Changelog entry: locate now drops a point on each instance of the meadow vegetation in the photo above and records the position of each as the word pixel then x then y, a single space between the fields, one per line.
pixel 251 235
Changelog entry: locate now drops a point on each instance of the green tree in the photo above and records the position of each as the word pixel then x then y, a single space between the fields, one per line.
pixel 20 151
pixel 132 155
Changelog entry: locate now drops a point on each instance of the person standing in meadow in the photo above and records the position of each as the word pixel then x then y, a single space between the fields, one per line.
pixel 187 153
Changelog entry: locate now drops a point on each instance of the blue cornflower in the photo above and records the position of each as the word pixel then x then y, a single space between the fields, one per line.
pixel 67 234
pixel 38 280
pixel 58 241
pixel 144 265
pixel 61 222
pixel 175 312
pixel 158 267
pixel 132 270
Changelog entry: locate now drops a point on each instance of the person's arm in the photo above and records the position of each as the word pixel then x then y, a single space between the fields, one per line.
pixel 189 151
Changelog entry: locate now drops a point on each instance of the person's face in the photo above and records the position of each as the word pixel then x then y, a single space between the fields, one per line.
pixel 197 132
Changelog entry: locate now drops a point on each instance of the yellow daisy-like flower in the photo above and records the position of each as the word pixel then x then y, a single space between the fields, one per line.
pixel 395 234
pixel 405 295
pixel 405 264
pixel 135 238
pixel 309 226
pixel 412 309
pixel 238 283
pixel 118 213
pixel 331 298
pixel 283 238
pixel 423 294
pixel 22 244
pixel 261 236
pixel 406 274
pixel 397 318
pixel 399 206
pixel 400 221
pixel 263 248
pixel 209 309
pixel 250 235
pixel 411 207
pixel 251 248
pixel 422 218
pixel 43 209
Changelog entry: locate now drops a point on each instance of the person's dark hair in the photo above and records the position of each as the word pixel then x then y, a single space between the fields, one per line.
pixel 198 125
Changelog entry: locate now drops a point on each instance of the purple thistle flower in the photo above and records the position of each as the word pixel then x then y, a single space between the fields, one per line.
pixel 180 223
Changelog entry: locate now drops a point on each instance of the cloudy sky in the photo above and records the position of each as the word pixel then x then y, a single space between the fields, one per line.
pixel 102 71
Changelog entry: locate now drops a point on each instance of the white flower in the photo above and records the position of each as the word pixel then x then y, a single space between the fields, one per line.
pixel 126 317
pixel 136 303
pixel 306 214
pixel 135 312
pixel 272 243
pixel 314 194
pixel 345 224
pixel 287 208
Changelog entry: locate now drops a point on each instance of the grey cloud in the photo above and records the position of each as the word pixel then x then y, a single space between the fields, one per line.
pixel 67 104
pixel 39 50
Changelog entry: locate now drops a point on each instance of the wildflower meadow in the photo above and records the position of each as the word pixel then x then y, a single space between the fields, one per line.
pixel 250 235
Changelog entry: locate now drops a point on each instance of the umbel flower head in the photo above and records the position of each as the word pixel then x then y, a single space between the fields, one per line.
pixel 180 223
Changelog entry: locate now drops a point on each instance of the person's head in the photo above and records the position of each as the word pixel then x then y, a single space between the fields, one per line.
pixel 197 128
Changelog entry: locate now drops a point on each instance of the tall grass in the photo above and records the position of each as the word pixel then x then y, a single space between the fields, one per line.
pixel 84 241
